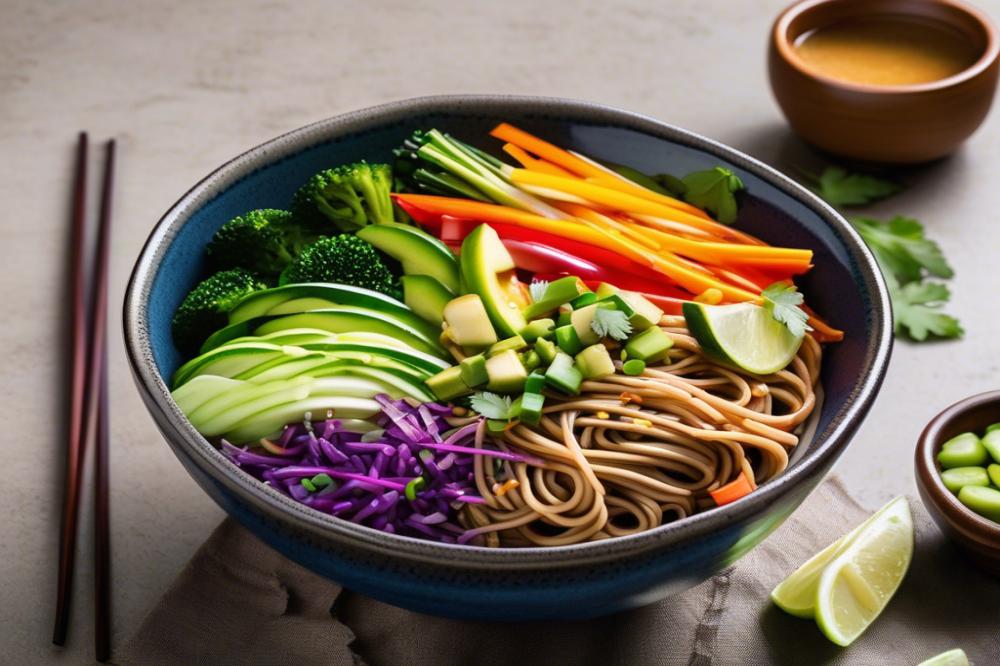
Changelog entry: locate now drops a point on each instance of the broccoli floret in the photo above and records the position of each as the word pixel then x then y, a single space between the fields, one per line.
pixel 263 241
pixel 343 259
pixel 351 196
pixel 203 311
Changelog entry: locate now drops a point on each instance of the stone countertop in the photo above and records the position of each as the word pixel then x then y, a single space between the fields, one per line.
pixel 184 86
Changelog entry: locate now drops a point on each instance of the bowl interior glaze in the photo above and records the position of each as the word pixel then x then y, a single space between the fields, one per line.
pixel 845 287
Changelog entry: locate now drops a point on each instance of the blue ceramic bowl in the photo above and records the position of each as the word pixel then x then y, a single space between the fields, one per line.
pixel 513 584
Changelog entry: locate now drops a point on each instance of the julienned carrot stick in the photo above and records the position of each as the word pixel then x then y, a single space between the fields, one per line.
pixel 532 164
pixel 622 184
pixel 606 196
pixel 710 250
pixel 822 331
pixel 544 150
pixel 732 491
pixel 665 262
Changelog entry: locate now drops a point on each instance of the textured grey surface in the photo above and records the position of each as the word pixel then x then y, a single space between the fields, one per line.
pixel 185 86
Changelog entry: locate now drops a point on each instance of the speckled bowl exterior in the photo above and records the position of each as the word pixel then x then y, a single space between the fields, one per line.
pixel 979 537
pixel 513 584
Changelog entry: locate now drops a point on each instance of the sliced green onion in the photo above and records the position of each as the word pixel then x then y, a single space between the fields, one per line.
pixel 413 487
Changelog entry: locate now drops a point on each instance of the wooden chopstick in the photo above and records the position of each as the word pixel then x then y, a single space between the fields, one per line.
pixel 88 391
pixel 99 383
pixel 78 417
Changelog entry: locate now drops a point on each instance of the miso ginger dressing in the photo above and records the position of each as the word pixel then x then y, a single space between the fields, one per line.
pixel 886 51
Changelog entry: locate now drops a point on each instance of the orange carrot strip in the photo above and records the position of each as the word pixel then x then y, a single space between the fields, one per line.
pixel 822 331
pixel 732 491
pixel 532 164
pixel 617 183
pixel 544 150
pixel 665 262
pixel 612 198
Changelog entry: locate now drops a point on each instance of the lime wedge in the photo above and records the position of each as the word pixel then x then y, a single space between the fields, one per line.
pixel 954 657
pixel 797 593
pixel 742 334
pixel 857 584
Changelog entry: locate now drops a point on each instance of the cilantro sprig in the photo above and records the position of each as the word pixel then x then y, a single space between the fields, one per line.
pixel 714 190
pixel 784 302
pixel 491 405
pixel 838 187
pixel 609 323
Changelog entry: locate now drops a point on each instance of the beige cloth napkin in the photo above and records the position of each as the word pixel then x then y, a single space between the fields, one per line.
pixel 239 602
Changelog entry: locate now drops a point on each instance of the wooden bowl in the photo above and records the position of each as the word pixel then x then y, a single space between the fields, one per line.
pixel 875 123
pixel 979 537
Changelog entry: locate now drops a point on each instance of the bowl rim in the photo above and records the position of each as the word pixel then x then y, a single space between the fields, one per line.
pixel 187 442
pixel 961 517
pixel 990 54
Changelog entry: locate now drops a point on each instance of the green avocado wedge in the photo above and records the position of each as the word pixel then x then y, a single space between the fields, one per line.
pixel 342 319
pixel 305 297
pixel 489 271
pixel 743 335
pixel 417 251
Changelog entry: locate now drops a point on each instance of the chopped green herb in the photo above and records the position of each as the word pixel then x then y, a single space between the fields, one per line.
pixel 609 323
pixel 537 289
pixel 838 187
pixel 413 487
pixel 491 405
pixel 322 480
pixel 308 485
pixel 916 307
pixel 902 249
pixel 714 191
pixel 784 302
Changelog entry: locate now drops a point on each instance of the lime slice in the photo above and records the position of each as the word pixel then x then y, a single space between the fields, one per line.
pixel 797 593
pixel 954 657
pixel 858 583
pixel 743 334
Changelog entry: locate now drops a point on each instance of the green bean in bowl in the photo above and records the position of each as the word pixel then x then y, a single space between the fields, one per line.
pixel 970 467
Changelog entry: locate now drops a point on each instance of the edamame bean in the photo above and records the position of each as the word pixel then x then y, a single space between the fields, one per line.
pixel 991 441
pixel 990 428
pixel 993 471
pixel 957 478
pixel 984 501
pixel 965 450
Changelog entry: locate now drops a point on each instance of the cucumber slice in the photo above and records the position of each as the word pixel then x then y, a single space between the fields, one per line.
pixel 270 422
pixel 426 296
pixel 744 335
pixel 259 303
pixel 227 361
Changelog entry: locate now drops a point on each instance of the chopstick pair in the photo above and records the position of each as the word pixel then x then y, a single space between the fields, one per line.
pixel 88 398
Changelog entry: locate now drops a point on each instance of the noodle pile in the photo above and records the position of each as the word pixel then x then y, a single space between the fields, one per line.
pixel 631 453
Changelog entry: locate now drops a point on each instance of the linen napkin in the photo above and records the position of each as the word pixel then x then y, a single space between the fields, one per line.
pixel 239 602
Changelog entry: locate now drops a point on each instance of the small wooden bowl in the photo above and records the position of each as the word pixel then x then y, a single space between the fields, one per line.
pixel 979 537
pixel 889 124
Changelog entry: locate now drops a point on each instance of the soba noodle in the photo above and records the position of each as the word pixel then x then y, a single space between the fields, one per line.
pixel 630 453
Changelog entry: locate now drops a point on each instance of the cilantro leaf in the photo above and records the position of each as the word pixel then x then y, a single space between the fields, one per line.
pixel 838 187
pixel 902 249
pixel 537 289
pixel 784 303
pixel 611 323
pixel 491 405
pixel 713 190
pixel 916 307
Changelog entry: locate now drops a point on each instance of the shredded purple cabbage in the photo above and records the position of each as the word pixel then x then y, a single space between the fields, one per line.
pixel 412 478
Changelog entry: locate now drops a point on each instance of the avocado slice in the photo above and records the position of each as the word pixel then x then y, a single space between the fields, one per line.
pixel 426 296
pixel 417 251
pixel 469 323
pixel 489 271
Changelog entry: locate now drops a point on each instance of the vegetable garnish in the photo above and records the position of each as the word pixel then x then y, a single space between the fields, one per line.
pixel 838 187
pixel 916 306
pixel 901 247
pixel 713 190
pixel 907 256
pixel 611 324
pixel 402 479
pixel 491 405
pixel 784 302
